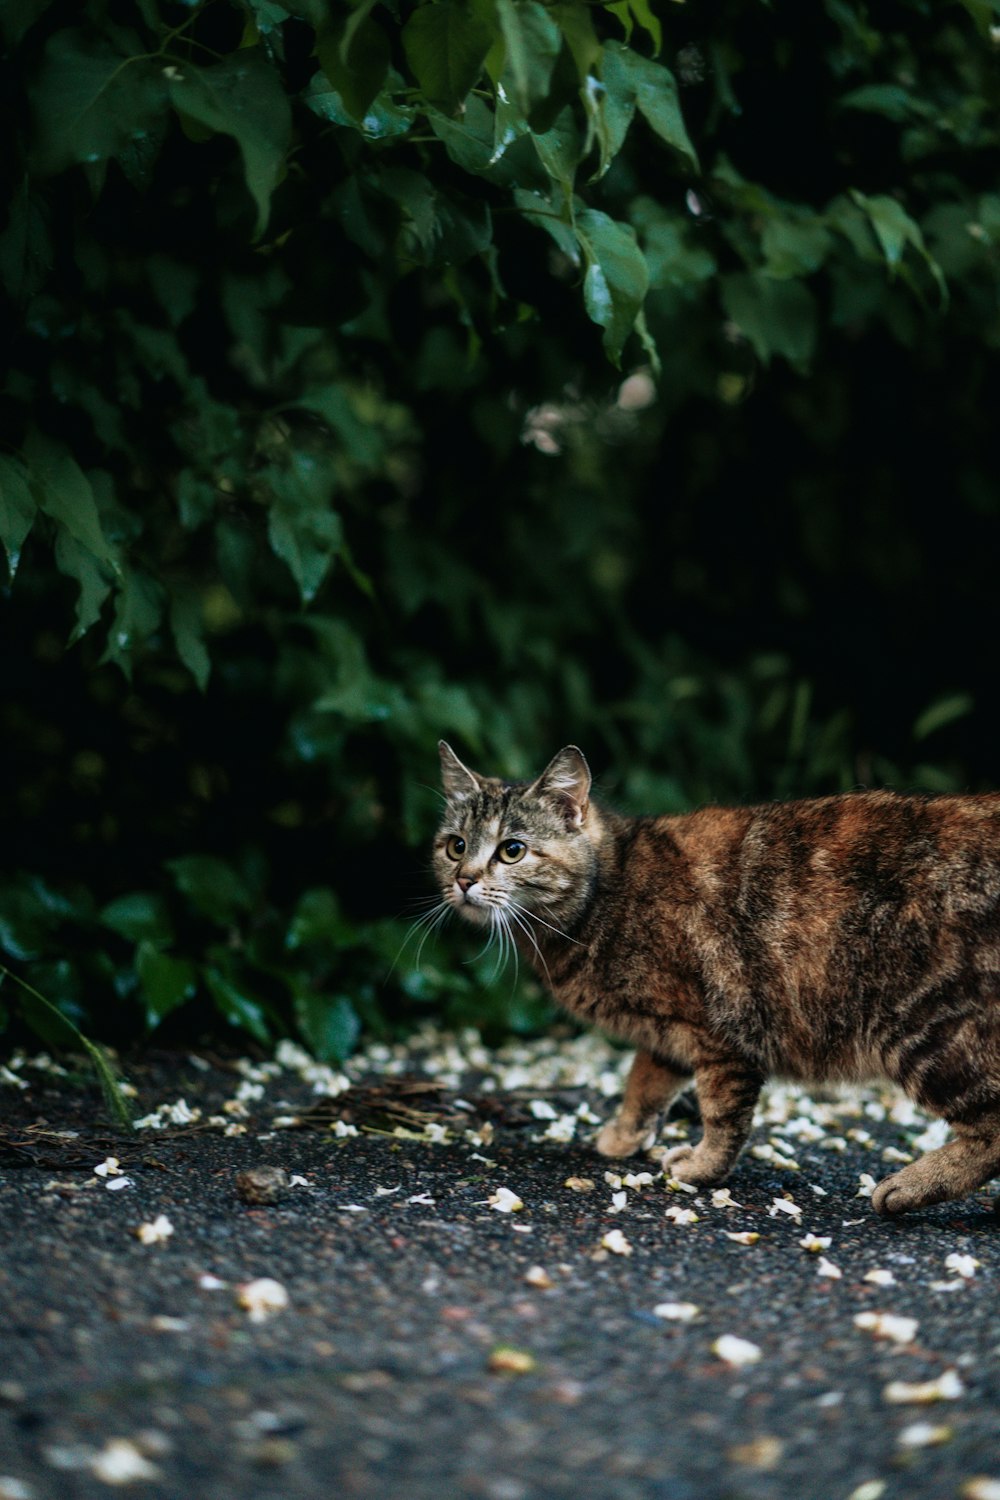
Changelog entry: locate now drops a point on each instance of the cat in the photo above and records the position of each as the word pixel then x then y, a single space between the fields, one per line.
pixel 841 938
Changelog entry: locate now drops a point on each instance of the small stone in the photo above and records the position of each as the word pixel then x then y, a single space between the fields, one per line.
pixel 120 1462
pixel 507 1360
pixel 262 1184
pixel 980 1488
pixel 580 1184
pixel 262 1297
pixel 760 1453
pixel 736 1351
pixel 924 1435
pixel 947 1387
pixel 888 1326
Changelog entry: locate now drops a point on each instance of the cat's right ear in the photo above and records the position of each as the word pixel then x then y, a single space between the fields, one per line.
pixel 566 779
pixel 458 781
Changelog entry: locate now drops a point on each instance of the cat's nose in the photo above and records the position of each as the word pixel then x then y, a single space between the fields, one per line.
pixel 463 882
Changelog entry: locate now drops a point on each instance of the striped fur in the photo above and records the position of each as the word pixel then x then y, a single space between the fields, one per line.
pixel 841 938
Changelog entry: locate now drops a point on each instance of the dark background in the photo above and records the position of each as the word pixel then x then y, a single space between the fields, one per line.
pixel 364 475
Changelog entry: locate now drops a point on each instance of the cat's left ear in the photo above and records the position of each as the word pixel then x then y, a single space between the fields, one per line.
pixel 458 781
pixel 566 778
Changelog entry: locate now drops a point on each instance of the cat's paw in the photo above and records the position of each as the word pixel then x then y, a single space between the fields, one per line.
pixel 616 1139
pixel 913 1187
pixel 894 1196
pixel 688 1164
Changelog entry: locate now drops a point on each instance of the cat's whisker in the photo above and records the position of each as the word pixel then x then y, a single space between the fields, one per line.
pixel 519 919
pixel 503 914
pixel 533 915
pixel 429 922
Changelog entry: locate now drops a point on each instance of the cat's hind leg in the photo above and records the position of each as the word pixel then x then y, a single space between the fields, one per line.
pixel 727 1093
pixel 959 1167
pixel 651 1085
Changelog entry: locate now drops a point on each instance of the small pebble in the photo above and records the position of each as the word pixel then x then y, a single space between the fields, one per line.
pixel 262 1184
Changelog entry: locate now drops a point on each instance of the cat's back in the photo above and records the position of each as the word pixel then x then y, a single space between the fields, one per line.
pixel 880 845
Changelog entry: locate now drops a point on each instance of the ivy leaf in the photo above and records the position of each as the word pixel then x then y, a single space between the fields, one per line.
pixel 166 982
pixel 778 317
pixel 93 578
pixel 242 97
pixel 138 608
pixel 894 230
pixel 355 58
pixel 238 1008
pixel 578 30
pixel 329 1025
pixel 643 13
pixel 17 510
pixel 794 248
pixel 212 886
pixel 63 492
pixel 617 277
pixel 633 81
pixel 446 47
pixel 533 42
pixel 187 627
pixel 303 529
pixel 92 103
pixel 139 916
pixel 559 150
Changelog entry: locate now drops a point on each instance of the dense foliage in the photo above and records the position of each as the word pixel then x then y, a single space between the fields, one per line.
pixel 516 371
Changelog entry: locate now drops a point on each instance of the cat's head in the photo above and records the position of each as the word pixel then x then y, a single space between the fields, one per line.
pixel 524 848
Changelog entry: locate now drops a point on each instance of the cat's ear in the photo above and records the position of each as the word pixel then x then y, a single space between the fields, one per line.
pixel 458 781
pixel 566 779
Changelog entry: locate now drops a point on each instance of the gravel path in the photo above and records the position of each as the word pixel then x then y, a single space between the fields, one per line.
pixel 435 1344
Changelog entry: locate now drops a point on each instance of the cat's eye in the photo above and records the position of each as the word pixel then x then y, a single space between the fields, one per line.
pixel 511 850
pixel 455 847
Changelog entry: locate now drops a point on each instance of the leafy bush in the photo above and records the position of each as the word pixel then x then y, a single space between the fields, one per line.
pixel 515 371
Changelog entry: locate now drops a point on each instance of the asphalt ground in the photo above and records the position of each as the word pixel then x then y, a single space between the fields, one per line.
pixel 434 1345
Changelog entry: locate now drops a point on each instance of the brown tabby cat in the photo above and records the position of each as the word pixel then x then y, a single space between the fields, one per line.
pixel 842 938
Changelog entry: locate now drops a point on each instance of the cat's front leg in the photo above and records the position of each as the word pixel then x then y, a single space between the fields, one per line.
pixel 652 1084
pixel 727 1092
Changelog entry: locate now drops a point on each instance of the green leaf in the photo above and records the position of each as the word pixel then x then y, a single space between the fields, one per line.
pixel 886 99
pixel 643 13
pixel 58 1031
pixel 139 916
pixel 63 492
pixel 894 230
pixel 355 58
pixel 138 609
pixel 559 150
pixel 18 16
pixel 92 103
pixel 578 29
pixel 239 1008
pixel 166 982
pixel 794 248
pixel 94 579
pixel 533 43
pixel 633 81
pixel 446 47
pixel 778 317
pixel 329 1025
pixel 944 711
pixel 188 627
pixel 17 510
pixel 617 277
pixel 319 920
pixel 212 886
pixel 303 528
pixel 242 97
